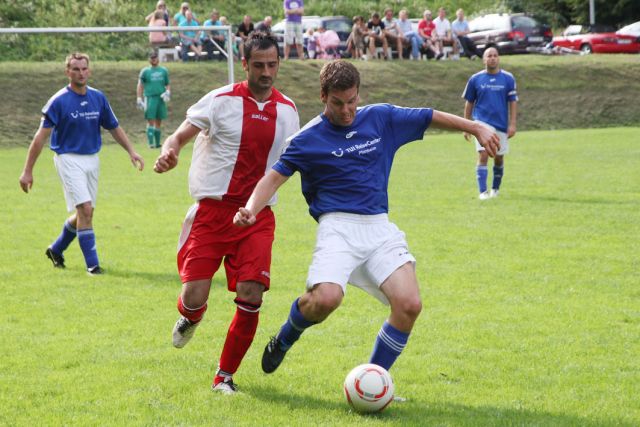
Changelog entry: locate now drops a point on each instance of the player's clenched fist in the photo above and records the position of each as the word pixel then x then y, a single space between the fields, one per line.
pixel 244 218
pixel 166 161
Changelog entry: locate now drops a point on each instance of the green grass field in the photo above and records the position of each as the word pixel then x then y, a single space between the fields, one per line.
pixel 531 301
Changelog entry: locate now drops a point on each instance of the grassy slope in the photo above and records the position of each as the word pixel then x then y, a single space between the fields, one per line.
pixel 555 92
pixel 530 300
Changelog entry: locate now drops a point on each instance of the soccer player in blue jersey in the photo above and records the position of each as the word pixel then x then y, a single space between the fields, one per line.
pixel 491 98
pixel 344 157
pixel 73 118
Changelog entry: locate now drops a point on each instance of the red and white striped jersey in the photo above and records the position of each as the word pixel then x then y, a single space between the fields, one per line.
pixel 240 140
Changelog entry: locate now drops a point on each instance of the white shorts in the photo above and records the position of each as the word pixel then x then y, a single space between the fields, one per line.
pixel 293 33
pixel 504 141
pixel 362 250
pixel 79 176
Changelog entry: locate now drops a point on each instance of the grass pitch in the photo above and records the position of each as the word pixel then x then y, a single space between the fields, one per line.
pixel 531 302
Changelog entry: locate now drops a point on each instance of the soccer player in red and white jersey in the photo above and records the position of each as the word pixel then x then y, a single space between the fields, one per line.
pixel 241 131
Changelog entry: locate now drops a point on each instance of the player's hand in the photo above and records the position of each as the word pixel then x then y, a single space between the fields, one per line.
pixel 511 131
pixel 166 161
pixel 244 218
pixel 488 139
pixel 467 136
pixel 140 104
pixel 137 160
pixel 26 181
pixel 166 96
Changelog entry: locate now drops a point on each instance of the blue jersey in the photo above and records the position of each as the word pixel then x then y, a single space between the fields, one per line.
pixel 491 94
pixel 346 169
pixel 76 120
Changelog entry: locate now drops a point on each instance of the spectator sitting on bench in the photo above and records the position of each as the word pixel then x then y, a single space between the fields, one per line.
pixel 209 39
pixel 376 36
pixel 189 39
pixel 327 44
pixel 442 34
pixel 410 37
pixel 425 30
pixel 158 38
pixel 393 33
pixel 355 42
pixel 460 29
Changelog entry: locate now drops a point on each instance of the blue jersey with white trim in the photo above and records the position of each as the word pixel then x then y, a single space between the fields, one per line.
pixel 491 94
pixel 76 120
pixel 346 169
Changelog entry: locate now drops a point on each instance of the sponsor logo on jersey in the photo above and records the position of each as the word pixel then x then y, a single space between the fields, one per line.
pixel 83 103
pixel 260 117
pixel 266 274
pixel 350 134
pixel 338 153
pixel 88 115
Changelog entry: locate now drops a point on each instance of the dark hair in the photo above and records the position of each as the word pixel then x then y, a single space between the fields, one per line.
pixel 339 75
pixel 259 40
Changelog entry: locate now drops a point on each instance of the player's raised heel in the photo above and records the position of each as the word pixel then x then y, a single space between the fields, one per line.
pixel 56 259
pixel 493 193
pixel 183 331
pixel 272 356
pixel 484 195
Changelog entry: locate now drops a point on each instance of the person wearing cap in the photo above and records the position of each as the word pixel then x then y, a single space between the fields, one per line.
pixel 153 93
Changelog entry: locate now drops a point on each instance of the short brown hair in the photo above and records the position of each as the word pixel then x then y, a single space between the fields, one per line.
pixel 339 75
pixel 77 56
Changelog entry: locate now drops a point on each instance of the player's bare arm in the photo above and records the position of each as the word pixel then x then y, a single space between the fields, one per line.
pixel 513 112
pixel 468 110
pixel 121 138
pixel 264 191
pixel 39 139
pixel 168 159
pixel 485 136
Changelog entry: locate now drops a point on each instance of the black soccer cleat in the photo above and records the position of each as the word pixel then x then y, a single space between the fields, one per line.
pixel 95 271
pixel 272 356
pixel 56 259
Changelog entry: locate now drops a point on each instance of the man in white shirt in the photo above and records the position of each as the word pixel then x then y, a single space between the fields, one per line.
pixel 442 35
pixel 393 32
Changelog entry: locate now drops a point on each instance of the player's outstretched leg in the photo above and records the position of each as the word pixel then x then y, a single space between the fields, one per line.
pixel 186 325
pixel 289 333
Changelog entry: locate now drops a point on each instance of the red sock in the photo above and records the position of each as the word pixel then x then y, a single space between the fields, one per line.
pixel 193 314
pixel 240 336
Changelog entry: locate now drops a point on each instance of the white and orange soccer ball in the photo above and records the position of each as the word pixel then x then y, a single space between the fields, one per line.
pixel 368 388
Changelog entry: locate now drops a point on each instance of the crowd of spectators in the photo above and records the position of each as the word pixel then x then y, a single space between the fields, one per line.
pixel 378 37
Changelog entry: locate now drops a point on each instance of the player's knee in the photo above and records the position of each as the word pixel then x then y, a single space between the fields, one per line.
pixel 250 292
pixel 325 298
pixel 410 307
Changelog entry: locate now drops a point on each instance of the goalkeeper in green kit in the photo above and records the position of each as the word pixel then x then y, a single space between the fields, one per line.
pixel 153 84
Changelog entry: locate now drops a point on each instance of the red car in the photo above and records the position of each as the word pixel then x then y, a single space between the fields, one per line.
pixel 597 40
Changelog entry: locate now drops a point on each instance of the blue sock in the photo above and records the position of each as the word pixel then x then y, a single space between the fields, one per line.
pixel 389 344
pixel 87 241
pixel 498 171
pixel 293 327
pixel 481 174
pixel 64 239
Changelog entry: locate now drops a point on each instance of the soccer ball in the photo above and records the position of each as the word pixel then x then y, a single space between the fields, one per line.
pixel 368 388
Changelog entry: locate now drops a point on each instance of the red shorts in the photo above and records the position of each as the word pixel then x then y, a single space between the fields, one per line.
pixel 208 235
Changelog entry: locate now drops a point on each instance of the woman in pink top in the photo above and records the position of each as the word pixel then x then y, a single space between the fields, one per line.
pixel 157 37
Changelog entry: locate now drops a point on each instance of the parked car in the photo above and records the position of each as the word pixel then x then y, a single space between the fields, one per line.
pixel 630 30
pixel 597 39
pixel 339 24
pixel 509 33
